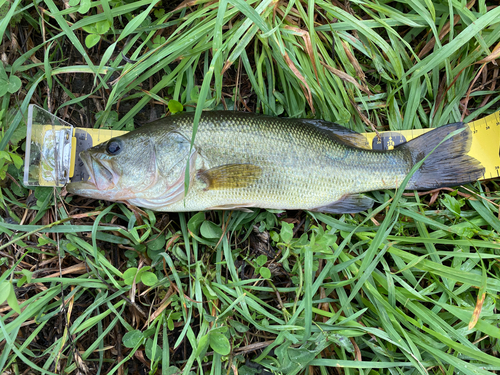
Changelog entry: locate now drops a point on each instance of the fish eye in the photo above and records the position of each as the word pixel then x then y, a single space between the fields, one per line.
pixel 114 146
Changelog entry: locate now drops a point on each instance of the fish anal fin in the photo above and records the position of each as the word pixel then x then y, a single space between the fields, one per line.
pixel 230 176
pixel 235 207
pixel 348 204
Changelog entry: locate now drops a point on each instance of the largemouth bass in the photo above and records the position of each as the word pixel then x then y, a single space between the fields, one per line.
pixel 242 160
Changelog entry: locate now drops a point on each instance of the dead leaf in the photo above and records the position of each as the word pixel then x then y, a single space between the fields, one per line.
pixel 306 89
pixel 492 87
pixel 67 6
pixel 354 62
pixel 75 269
pixel 492 57
pixel 357 351
pixel 186 3
pixel 140 356
pixel 86 214
pixel 465 101
pixel 477 310
pixel 163 305
pixel 346 77
pixel 226 66
pixel 307 41
pixel 365 119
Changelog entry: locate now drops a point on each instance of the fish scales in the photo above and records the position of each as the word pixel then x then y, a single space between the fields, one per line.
pixel 243 160
pixel 302 166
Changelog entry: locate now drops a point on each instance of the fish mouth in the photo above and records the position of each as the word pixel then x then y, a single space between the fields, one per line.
pixel 85 189
pixel 101 178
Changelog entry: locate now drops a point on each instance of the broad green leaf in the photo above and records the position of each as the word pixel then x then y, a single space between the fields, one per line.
pixel 240 327
pixel 28 275
pixel 210 230
pixel 261 260
pixel 91 40
pixel 157 243
pixel 19 134
pixel 174 106
pixel 18 162
pixel 5 288
pixel 84 6
pixel 149 350
pixel 14 84
pixel 91 29
pixel 132 338
pixel 129 275
pixel 265 272
pixel 159 13
pixel 195 222
pixel 149 278
pixel 219 343
pixel 12 299
pixel 286 233
pixel 142 271
pixel 5 155
pixel 158 41
pixel 102 27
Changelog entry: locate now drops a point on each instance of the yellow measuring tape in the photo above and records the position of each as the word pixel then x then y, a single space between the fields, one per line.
pixel 485 142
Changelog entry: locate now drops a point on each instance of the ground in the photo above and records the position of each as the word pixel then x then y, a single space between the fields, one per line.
pixel 87 286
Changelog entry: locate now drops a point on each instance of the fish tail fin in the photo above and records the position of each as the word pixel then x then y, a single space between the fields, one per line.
pixel 449 164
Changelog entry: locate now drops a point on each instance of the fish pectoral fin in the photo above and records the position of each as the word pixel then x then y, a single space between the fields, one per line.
pixel 230 176
pixel 348 204
pixel 235 207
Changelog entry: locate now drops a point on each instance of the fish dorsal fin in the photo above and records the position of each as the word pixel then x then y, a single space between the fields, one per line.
pixel 348 136
pixel 348 204
pixel 230 176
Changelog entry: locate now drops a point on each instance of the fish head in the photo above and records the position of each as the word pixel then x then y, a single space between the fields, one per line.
pixel 138 165
pixel 119 169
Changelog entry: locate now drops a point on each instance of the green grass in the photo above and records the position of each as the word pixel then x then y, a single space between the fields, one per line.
pixel 409 287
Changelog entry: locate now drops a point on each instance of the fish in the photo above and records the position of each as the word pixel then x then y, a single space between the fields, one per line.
pixel 239 161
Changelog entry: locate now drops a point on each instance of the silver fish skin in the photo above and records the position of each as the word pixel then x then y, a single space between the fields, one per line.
pixel 241 160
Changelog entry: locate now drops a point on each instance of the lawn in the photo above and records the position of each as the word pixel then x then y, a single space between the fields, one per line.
pixel 92 287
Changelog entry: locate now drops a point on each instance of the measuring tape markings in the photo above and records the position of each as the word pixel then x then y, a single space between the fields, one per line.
pixel 486 143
